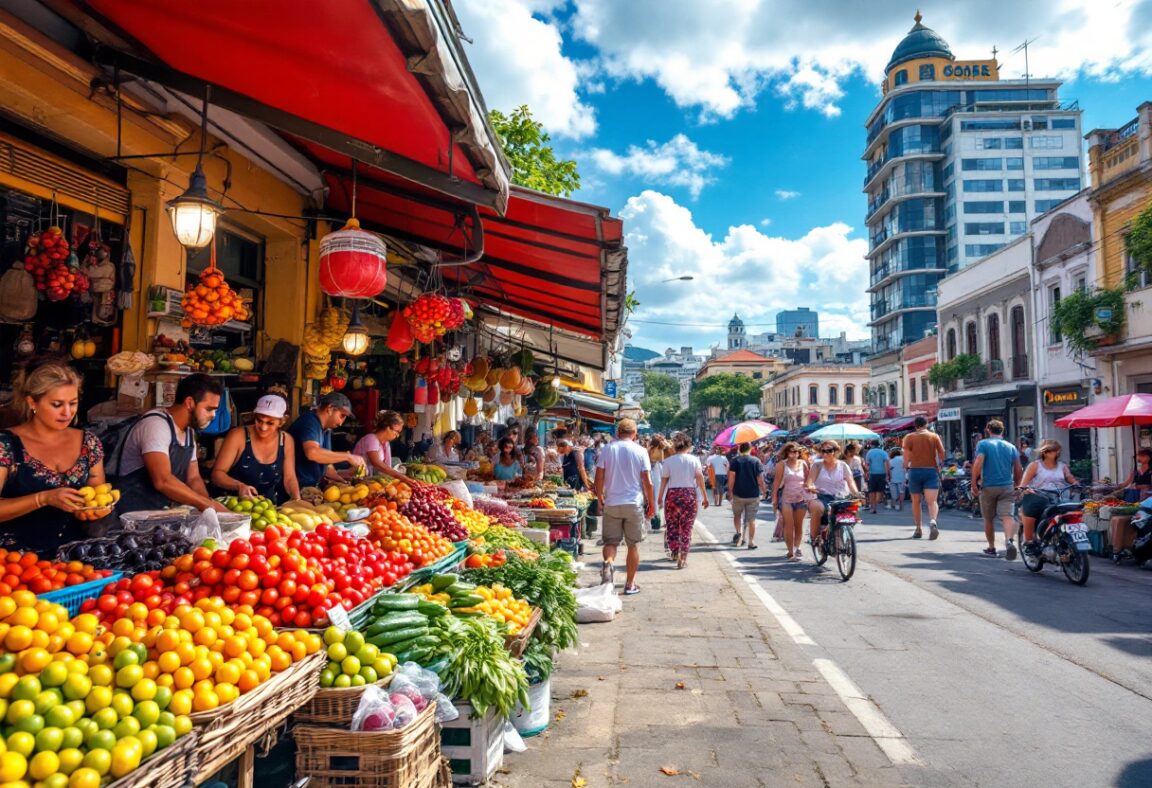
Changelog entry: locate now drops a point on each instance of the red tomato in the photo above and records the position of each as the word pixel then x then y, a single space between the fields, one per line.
pixel 248 580
pixel 303 619
pixel 287 613
pixel 220 559
pixel 239 561
pixel 287 587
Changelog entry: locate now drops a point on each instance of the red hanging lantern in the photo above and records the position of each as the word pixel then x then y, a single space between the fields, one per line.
pixel 353 263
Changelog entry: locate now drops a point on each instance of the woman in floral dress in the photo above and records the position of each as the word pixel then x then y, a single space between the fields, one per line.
pixel 682 476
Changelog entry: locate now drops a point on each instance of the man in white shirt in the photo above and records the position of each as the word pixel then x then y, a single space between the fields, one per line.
pixel 718 466
pixel 624 491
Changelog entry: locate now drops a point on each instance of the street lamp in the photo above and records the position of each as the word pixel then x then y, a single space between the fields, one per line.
pixel 685 278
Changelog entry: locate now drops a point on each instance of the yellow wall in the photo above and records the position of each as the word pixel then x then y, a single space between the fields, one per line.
pixel 1120 193
pixel 766 369
pixel 964 71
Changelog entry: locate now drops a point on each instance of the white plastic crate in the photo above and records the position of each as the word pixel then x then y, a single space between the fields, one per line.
pixel 540 535
pixel 474 747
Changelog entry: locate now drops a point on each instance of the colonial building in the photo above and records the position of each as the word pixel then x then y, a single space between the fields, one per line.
pixel 809 393
pixel 742 362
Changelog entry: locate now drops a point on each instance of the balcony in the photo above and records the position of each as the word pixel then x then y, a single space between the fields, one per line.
pixel 986 373
pixel 1020 368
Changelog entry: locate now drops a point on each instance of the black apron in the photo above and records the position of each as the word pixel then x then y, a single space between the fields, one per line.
pixel 136 491
pixel 571 472
pixel 42 530
pixel 268 479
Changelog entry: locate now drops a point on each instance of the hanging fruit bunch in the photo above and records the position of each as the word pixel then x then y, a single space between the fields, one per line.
pixel 320 339
pixel 441 377
pixel 433 315
pixel 211 301
pixel 46 256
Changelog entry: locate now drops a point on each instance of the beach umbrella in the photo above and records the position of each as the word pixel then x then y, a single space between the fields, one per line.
pixel 844 432
pixel 745 432
pixel 1127 410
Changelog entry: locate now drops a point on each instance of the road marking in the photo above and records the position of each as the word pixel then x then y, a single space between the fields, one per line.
pixel 705 535
pixel 886 735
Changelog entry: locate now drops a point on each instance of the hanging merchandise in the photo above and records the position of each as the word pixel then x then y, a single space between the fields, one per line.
pixel 353 263
pixel 46 258
pixel 399 334
pixel 97 265
pixel 83 346
pixel 211 302
pixel 17 295
pixel 433 315
pixel 420 395
pixel 321 338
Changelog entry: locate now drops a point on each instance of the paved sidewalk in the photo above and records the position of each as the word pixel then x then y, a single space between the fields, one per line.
pixel 753 710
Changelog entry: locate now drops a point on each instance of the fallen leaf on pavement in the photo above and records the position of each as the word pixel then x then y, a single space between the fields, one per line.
pixel 560 715
pixel 668 770
pixel 599 678
pixel 580 693
pixel 577 780
pixel 679 685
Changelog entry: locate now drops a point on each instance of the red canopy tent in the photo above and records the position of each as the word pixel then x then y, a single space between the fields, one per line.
pixel 1127 410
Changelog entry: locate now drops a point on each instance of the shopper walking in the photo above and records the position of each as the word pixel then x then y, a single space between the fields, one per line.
pixel 923 456
pixel 681 476
pixel 877 461
pixel 855 463
pixel 897 478
pixel 995 473
pixel 789 496
pixel 745 489
pixel 624 490
pixel 718 474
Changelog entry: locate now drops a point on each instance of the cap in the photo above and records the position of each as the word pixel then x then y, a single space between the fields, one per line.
pixel 271 405
pixel 336 400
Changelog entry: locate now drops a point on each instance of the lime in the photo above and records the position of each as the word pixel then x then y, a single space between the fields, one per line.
pixel 354 641
pixel 87 727
pixel 128 676
pixel 60 717
pixel 106 719
pixel 129 726
pixel 123 704
pixel 50 739
pixel 33 724
pixel 58 780
pixel 77 687
pixel 350 665
pixel 367 654
pixel 70 759
pixel 77 707
pixel 149 741
pixel 182 725
pixel 382 667
pixel 147 712
pixel 43 765
pixel 165 735
pixel 7 663
pixel 369 674
pixel 47 700
pixel 99 759
pixel 337 652
pixel 27 688
pixel 166 718
pixel 54 675
pixel 358 681
pixel 125 658
pixel 163 697
pixel 71 737
pixel 326 678
pixel 102 740
pixel 18 710
pixel 343 680
pixel 333 635
pixel 98 698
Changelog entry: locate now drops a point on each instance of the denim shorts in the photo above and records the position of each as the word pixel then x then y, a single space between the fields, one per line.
pixel 921 479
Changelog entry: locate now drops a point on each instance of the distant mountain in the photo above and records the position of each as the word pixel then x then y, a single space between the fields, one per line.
pixel 633 353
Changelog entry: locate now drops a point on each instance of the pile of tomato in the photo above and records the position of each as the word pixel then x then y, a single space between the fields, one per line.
pixel 390 530
pixel 29 572
pixel 290 577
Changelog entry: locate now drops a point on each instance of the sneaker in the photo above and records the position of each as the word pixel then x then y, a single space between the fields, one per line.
pixel 1032 548
pixel 933 531
pixel 607 574
pixel 989 551
pixel 1010 550
pixel 917 534
pixel 632 589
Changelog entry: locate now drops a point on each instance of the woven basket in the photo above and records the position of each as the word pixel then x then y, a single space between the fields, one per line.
pixel 172 767
pixel 517 643
pixel 225 733
pixel 334 706
pixel 407 758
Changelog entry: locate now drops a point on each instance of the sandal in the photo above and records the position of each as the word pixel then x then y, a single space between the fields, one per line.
pixel 918 534
pixel 752 546
pixel 737 538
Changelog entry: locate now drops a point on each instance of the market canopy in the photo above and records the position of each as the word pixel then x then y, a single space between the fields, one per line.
pixel 1123 411
pixel 894 425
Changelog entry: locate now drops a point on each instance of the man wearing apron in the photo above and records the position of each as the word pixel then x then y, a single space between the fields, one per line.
pixel 157 466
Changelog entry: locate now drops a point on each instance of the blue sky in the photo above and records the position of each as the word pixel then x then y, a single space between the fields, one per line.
pixel 728 133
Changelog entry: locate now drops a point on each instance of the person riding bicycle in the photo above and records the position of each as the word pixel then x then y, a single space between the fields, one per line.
pixel 1046 474
pixel 829 479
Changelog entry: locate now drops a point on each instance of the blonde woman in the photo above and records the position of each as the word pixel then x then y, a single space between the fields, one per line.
pixel 44 459
pixel 1044 473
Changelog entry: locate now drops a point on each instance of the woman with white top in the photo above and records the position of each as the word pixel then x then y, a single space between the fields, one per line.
pixel 897 477
pixel 681 476
pixel 1046 473
pixel 830 478
pixel 445 450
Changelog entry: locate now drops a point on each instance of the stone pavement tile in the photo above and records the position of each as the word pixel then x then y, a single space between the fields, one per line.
pixel 593 764
pixel 817 702
pixel 863 753
pixel 842 723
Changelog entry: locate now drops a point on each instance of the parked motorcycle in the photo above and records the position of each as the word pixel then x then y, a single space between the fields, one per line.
pixel 1141 549
pixel 1061 537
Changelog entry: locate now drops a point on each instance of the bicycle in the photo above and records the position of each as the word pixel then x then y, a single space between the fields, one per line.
pixel 841 537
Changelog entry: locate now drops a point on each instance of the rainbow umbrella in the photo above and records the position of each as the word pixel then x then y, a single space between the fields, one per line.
pixel 745 432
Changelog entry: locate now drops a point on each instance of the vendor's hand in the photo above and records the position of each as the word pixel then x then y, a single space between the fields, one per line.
pixel 63 498
pixel 247 491
pixel 221 508
pixel 355 460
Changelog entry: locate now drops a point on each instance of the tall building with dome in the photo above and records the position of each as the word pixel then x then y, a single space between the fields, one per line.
pixel 959 161
pixel 737 339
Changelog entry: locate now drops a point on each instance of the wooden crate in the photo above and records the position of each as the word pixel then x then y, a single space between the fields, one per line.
pixel 334 705
pixel 172 767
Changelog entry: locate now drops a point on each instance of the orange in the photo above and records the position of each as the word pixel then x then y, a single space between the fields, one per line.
pixel 19 637
pixel 235 645
pixel 24 616
pixel 183 678
pixel 193 621
pixel 24 598
pixel 168 661
pixel 186 652
pixel 79 643
pixel 123 627
pixel 249 681
pixel 299 651
pixel 181 702
pixel 227 673
pixel 41 639
pixel 35 660
pixel 7 606
pixel 281 659
pixel 256 646
pixel 286 641
pixel 164 680
pixel 151 669
pixel 49 622
pixel 205 636
pixel 204 701
pixel 227 692
pixel 201 668
pixel 167 640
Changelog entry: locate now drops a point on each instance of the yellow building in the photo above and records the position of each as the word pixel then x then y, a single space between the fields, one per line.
pixel 809 393
pixel 743 362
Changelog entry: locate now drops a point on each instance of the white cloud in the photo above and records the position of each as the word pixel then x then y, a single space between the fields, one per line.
pixel 767 220
pixel 678 162
pixel 747 271
pixel 785 194
pixel 517 59
pixel 717 56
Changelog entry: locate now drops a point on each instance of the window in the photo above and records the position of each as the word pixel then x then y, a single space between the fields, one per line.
pixel 1014 143
pixel 1040 124
pixel 1136 271
pixel 901 77
pixel 1041 141
pixel 912 389
pixel 988 143
pixel 1055 163
pixel 994 337
pixel 849 394
pixel 1046 205
pixel 1017 206
pixel 1015 184
pixel 833 395
pixel 813 394
pixel 1019 338
pixel 1014 163
pixel 882 396
pixel 757 375
pixel 970 341
pixel 981 250
pixel 984 228
pixel 989 125
pixel 983 186
pixel 948 170
pixel 1081 284
pixel 1056 184
pixel 924 389
pixel 1017 228
pixel 969 165
pixel 994 206
pixel 927 72
pixel 950 344
pixel 893 400
pixel 1063 123
pixel 1053 299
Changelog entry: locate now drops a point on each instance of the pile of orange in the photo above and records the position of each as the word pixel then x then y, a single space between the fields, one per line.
pixel 211 302
pixel 500 604
pixel 390 530
pixel 27 571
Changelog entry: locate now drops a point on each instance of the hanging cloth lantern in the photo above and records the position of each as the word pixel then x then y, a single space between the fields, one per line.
pixel 399 334
pixel 353 263
pixel 420 395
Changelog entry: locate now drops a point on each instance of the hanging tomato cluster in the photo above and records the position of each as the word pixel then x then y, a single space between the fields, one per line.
pixel 433 315
pixel 441 378
pixel 46 257
pixel 212 302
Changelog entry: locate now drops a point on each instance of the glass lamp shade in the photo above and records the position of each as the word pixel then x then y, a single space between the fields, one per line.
pixel 194 213
pixel 356 340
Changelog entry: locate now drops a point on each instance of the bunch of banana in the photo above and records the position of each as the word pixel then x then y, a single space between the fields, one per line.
pixel 433 474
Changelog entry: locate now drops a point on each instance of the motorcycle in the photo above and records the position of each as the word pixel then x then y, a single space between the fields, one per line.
pixel 836 536
pixel 1061 537
pixel 1141 549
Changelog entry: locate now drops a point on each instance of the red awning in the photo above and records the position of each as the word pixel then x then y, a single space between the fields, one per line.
pixel 383 81
pixel 894 425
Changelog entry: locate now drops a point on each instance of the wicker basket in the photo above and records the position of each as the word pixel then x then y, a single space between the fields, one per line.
pixel 407 758
pixel 172 767
pixel 517 643
pixel 334 706
pixel 227 732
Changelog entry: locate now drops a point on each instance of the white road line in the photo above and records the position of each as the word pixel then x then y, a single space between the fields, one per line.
pixel 705 535
pixel 886 735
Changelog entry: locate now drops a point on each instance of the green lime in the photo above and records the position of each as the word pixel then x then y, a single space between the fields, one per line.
pixel 51 739
pixel 369 674
pixel 72 737
pixel 337 652
pixel 129 726
pixel 147 712
pixel 27 688
pixel 48 700
pixel 350 665
pixel 165 735
pixel 60 717
pixel 33 724
pixel 333 635
pixel 102 740
pixel 354 641
pixel 125 658
pixel 343 680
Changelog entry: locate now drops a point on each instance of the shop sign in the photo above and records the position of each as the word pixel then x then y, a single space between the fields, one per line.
pixel 1066 398
pixel 972 70
pixel 610 388
pixel 948 414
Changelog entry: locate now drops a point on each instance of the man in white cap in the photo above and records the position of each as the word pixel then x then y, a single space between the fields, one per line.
pixel 260 459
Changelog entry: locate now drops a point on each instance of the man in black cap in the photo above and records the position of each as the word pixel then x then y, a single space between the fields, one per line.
pixel 312 432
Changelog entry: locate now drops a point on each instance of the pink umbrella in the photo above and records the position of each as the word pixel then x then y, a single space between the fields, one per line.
pixel 1127 410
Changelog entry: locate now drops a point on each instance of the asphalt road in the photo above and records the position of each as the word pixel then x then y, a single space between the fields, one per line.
pixel 991 673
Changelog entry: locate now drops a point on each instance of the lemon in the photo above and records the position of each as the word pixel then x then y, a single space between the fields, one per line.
pixel 149 742
pixel 350 665
pixel 33 724
pixel 337 652
pixel 87 727
pixel 13 767
pixel 147 712
pixel 77 686
pixel 18 710
pixel 99 760
pixel 129 726
pixel 106 719
pixel 144 689
pixel 354 641
pixel 70 759
pixel 50 740
pixel 54 675
pixel 123 704
pixel 102 740
pixel 43 765
pixel 47 700
pixel 126 756
pixel 367 654
pixel 71 738
pixel 129 675
pixel 27 688
pixel 98 698
pixel 182 725
pixel 101 675
pixel 22 743
pixel 333 635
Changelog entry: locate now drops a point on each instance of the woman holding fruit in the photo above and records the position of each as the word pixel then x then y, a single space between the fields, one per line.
pixel 43 461
pixel 376 446
pixel 257 460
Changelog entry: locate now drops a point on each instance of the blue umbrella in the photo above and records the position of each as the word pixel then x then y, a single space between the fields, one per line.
pixel 844 432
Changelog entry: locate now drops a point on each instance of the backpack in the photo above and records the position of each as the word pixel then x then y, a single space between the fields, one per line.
pixel 113 438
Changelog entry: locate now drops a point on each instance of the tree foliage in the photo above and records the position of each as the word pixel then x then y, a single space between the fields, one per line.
pixel 657 384
pixel 661 411
pixel 534 162
pixel 728 390
pixel 1139 240
pixel 960 367
pixel 1075 315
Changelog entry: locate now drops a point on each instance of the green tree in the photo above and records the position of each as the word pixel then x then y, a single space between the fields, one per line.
pixel 729 391
pixel 1139 239
pixel 660 384
pixel 661 411
pixel 534 162
pixel 684 420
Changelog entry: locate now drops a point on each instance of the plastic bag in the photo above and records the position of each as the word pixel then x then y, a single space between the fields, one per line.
pixel 459 490
pixel 378 711
pixel 224 528
pixel 206 526
pixel 416 682
pixel 513 741
pixel 597 604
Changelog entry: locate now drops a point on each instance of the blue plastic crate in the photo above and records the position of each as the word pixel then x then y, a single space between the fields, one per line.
pixel 74 596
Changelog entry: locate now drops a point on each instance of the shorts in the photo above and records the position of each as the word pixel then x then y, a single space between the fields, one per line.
pixel 896 491
pixel 794 505
pixel 921 479
pixel 624 523
pixel 745 507
pixel 996 501
pixel 721 484
pixel 877 483
pixel 1033 505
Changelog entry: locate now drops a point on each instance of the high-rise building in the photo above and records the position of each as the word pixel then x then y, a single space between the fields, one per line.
pixel 801 322
pixel 959 162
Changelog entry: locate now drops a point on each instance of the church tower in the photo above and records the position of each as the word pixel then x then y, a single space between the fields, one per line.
pixel 736 338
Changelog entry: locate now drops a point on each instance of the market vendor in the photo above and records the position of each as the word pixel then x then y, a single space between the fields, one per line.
pixel 480 448
pixel 44 459
pixel 1140 479
pixel 445 450
pixel 312 435
pixel 375 448
pixel 259 460
pixel 157 464
pixel 533 457
pixel 507 465
pixel 572 466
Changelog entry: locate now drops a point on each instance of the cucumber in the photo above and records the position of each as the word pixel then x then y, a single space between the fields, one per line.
pixel 417 655
pixel 440 582
pixel 400 635
pixel 431 609
pixel 460 587
pixel 390 602
pixel 398 647
pixel 399 620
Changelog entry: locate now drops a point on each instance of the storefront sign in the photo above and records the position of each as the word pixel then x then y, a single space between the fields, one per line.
pixel 1065 398
pixel 948 414
pixel 610 388
pixel 972 70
